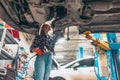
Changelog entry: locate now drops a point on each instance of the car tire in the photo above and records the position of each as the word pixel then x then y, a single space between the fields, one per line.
pixel 58 78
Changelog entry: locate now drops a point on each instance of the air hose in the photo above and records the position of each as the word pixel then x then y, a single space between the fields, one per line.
pixel 23 70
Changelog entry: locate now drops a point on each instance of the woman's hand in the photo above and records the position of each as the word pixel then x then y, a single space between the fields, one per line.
pixel 38 51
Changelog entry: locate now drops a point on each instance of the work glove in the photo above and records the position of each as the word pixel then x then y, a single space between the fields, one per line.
pixel 38 51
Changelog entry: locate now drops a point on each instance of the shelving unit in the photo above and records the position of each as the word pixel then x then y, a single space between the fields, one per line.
pixel 5 55
pixel 8 52
pixel 6 38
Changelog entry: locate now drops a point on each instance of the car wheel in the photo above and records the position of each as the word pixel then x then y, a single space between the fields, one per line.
pixel 58 78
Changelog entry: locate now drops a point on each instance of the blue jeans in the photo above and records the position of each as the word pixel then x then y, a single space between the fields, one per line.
pixel 43 67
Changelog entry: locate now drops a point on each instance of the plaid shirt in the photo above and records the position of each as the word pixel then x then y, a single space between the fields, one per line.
pixel 43 42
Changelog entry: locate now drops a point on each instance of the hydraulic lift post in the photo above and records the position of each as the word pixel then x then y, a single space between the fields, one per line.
pixel 101 44
pixel 97 55
pixel 80 53
pixel 114 54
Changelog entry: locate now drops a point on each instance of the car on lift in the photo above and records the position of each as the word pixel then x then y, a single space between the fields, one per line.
pixel 80 69
pixel 93 15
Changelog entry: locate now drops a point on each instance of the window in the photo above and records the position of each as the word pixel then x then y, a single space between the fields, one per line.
pixel 82 63
pixel 87 62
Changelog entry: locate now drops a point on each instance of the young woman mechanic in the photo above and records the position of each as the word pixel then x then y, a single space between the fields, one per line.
pixel 42 46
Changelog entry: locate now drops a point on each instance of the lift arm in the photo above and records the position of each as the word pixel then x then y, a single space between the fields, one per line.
pixel 102 44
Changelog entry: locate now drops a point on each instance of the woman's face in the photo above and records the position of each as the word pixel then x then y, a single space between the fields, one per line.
pixel 46 28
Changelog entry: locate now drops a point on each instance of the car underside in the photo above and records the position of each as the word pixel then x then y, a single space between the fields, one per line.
pixel 93 15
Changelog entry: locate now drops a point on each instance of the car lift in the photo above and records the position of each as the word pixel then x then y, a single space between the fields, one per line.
pixel 112 52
